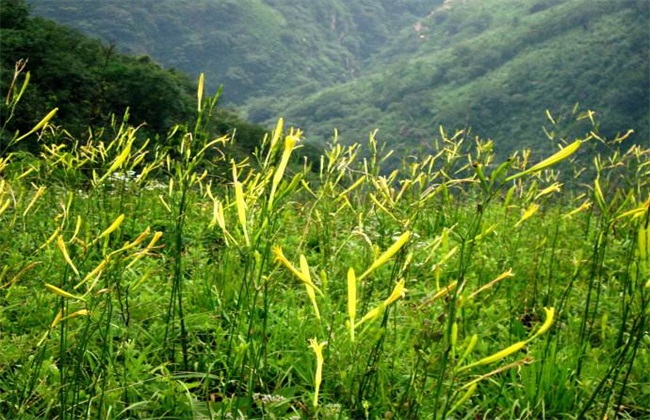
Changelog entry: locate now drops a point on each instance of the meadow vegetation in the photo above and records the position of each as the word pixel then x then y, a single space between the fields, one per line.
pixel 170 280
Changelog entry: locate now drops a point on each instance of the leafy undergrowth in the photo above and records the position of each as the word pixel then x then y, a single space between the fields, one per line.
pixel 137 284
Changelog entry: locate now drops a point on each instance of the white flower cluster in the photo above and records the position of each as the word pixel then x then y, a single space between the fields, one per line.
pixel 133 177
pixel 128 176
pixel 332 410
pixel 268 399
pixel 155 185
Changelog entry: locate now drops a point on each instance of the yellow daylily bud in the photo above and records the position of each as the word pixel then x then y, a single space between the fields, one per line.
pixel 304 269
pixel 40 125
pixel 62 292
pixel 496 356
pixel 470 391
pixel 528 214
pixel 352 300
pixel 39 192
pixel 399 291
pixel 318 377
pixel 66 256
pixel 276 133
pixel 637 212
pixel 95 273
pixel 119 160
pixel 584 206
pixel 598 193
pixel 372 314
pixel 289 144
pixel 388 254
pixel 112 227
pixel 279 256
pixel 199 92
pixel 550 315
pixel 555 187
pixel 550 161
pixel 57 319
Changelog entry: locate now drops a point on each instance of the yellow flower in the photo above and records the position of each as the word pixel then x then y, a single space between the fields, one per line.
pixel 121 158
pixel 352 300
pixel 550 161
pixel 381 260
pixel 112 227
pixel 279 256
pixel 498 355
pixel 276 133
pixel 199 92
pixel 304 269
pixel 40 125
pixel 240 203
pixel 95 273
pixel 637 212
pixel 318 377
pixel 398 292
pixel 584 206
pixel 66 256
pixel 556 187
pixel 463 399
pixel 550 315
pixel 59 316
pixel 62 292
pixel 289 144
pixel 528 214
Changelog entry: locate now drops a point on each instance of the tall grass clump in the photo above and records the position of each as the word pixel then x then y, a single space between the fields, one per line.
pixel 165 277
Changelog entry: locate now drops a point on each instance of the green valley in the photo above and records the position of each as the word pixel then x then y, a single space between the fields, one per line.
pixel 402 67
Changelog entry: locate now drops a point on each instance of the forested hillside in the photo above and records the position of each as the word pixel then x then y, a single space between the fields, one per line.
pixel 253 47
pixel 85 80
pixel 91 84
pixel 403 67
pixel 496 66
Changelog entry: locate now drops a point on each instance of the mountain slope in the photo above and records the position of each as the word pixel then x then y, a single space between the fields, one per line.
pixel 91 85
pixel 253 47
pixel 498 79
pixel 403 67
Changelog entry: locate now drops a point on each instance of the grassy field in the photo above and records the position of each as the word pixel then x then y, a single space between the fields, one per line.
pixel 144 281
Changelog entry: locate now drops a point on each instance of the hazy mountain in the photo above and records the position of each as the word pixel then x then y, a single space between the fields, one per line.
pixel 404 67
pixel 92 86
pixel 494 65
pixel 252 47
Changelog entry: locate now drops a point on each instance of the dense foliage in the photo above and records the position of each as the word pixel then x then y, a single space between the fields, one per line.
pixel 153 271
pixel 86 80
pixel 458 286
pixel 253 47
pixel 496 67
pixel 90 83
pixel 404 67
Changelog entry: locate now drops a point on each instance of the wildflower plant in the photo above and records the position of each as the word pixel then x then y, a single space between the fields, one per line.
pixel 144 278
